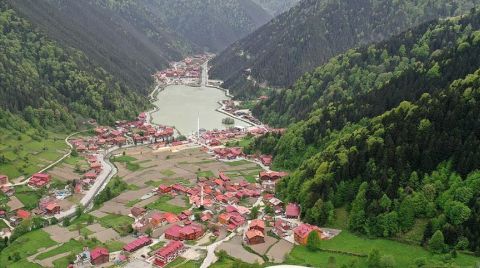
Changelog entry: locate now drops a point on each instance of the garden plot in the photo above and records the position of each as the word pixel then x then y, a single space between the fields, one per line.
pixel 235 249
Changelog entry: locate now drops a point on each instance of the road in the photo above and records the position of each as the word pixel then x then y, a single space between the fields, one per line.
pixel 54 163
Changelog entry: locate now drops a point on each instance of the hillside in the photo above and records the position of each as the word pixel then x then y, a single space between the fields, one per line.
pixel 51 86
pixel 276 7
pixel 212 24
pixel 125 38
pixel 391 135
pixel 314 31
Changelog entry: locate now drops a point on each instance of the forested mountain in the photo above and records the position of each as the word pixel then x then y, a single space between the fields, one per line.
pixel 391 135
pixel 50 85
pixel 132 39
pixel 314 31
pixel 276 7
pixel 124 37
pixel 211 24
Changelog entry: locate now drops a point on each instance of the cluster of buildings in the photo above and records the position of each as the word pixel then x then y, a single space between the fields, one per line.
pixel 229 106
pixel 187 71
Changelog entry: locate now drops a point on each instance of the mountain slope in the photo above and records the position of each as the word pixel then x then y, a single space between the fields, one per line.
pixel 50 86
pixel 314 31
pixel 391 135
pixel 212 24
pixel 276 7
pixel 126 39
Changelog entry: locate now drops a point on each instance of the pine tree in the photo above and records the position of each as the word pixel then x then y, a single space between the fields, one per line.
pixel 437 242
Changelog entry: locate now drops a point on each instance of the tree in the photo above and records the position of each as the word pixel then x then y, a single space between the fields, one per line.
pixel 149 231
pixel 254 212
pixel 357 214
pixel 373 260
pixel 66 222
pixel 387 261
pixel 457 212
pixel 313 241
pixel 437 242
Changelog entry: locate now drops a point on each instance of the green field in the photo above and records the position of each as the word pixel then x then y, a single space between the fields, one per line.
pixel 25 156
pixel 117 222
pixel 25 246
pixel 167 172
pixel 28 196
pixel 162 204
pixel 206 174
pixel 347 243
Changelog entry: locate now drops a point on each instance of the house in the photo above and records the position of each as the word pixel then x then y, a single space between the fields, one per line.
pixel 137 212
pixel 302 232
pixel 223 177
pixel 257 225
pixel 7 190
pixel 269 179
pixel 254 237
pixel 281 228
pixel 52 208
pixel 137 244
pixel 189 231
pixel 206 216
pixel 292 211
pixel 120 141
pixel 185 215
pixel 99 256
pixel 96 166
pixel 168 253
pixel 3 179
pixel 91 175
pixel 23 214
pixel 39 180
pixel 266 160
pixel 163 189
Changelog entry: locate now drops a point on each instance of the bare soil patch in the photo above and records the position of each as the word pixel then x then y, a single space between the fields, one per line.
pixel 60 234
pixel 279 251
pixel 235 249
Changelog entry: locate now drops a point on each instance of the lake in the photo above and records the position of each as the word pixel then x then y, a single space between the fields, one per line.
pixel 180 106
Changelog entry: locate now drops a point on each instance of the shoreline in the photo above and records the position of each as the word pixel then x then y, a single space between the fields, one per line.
pixel 153 96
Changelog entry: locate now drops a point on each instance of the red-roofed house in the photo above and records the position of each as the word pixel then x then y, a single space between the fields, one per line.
pixel 39 180
pixel 168 253
pixel 3 179
pixel 137 212
pixel 23 214
pixel 254 237
pixel 266 160
pixel 137 244
pixel 52 208
pixel 257 225
pixel 190 231
pixel 163 189
pixel 292 211
pixel 223 177
pixel 99 256
pixel 302 231
pixel 269 179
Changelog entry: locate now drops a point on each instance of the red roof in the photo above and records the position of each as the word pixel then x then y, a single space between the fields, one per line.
pixel 223 177
pixel 169 249
pixel 139 243
pixel 257 223
pixel 23 214
pixel 98 252
pixel 41 175
pixel 304 230
pixel 292 210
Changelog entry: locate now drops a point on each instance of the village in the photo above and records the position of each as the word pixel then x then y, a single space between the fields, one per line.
pixel 187 71
pixel 186 199
pixel 138 194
